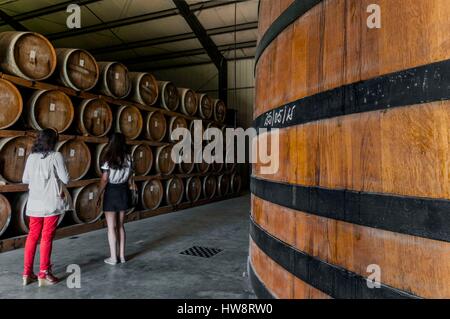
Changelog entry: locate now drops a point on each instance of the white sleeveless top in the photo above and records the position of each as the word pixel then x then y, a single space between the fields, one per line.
pixel 119 176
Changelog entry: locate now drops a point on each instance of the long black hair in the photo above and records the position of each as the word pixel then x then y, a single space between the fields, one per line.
pixel 116 153
pixel 45 142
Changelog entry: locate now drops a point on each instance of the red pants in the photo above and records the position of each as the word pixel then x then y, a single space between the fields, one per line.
pixel 44 227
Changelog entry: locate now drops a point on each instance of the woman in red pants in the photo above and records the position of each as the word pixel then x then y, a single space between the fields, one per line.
pixel 46 174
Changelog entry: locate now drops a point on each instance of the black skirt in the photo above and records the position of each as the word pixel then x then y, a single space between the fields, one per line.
pixel 117 198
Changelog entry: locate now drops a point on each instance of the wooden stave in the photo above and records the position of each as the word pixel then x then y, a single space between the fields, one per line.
pixel 139 125
pixel 188 186
pixel 6 211
pixel 161 197
pixel 76 193
pixel 280 94
pixel 183 92
pixel 16 92
pixel 103 86
pixel 31 106
pixel 63 55
pixel 8 62
pixel 81 124
pixel 168 186
pixel 86 155
pixel 162 90
pixel 136 96
pixel 28 141
pixel 149 117
pixel 159 150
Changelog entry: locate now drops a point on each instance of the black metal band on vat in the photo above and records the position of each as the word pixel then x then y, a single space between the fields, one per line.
pixel 425 84
pixel 332 280
pixel 421 217
pixel 289 16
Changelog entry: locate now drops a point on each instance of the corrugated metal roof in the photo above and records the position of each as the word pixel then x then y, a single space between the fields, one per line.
pixel 120 29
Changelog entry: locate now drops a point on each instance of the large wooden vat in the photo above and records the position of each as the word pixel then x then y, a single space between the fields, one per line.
pixel 77 69
pixel 174 191
pixel 19 220
pixel 114 80
pixel 50 109
pixel 77 158
pixel 26 54
pixel 11 104
pixel 164 163
pixel 193 189
pixel 5 214
pixel 152 194
pixel 168 96
pixel 188 101
pixel 155 126
pixel 129 122
pixel 142 155
pixel 14 152
pixel 84 199
pixel 145 89
pixel 364 149
pixel 205 106
pixel 94 118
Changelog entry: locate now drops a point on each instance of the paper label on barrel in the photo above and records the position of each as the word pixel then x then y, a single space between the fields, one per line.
pixel 95 114
pixel 166 156
pixel 152 188
pixel 147 84
pixel 52 107
pixel 21 152
pixel 32 55
pixel 156 124
pixel 174 186
pixel 91 196
pixel 81 62
pixel 141 154
pixel 116 76
pixel 72 153
pixel 130 118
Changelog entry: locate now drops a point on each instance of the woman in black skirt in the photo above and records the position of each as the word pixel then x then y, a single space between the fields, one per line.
pixel 115 187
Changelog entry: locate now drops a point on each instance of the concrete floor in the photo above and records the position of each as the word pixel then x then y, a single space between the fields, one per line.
pixel 156 268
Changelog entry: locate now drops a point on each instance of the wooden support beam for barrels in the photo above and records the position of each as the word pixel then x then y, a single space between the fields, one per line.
pixel 364 152
pixel 193 189
pixel 129 122
pixel 174 123
pixel 152 194
pixel 11 104
pixel 189 103
pixel 50 109
pixel 77 69
pixel 174 191
pixel 94 118
pixel 209 186
pixel 14 152
pixel 77 158
pixel 19 220
pixel 223 185
pixel 219 111
pixel 114 80
pixel 142 155
pixel 205 106
pixel 155 126
pixel 27 55
pixel 164 163
pixel 5 214
pixel 145 88
pixel 168 96
pixel 84 199
pixel 235 183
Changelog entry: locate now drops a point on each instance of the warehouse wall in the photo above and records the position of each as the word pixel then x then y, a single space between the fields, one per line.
pixel 204 78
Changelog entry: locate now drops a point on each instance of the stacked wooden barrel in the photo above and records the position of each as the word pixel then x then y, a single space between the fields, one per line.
pixel 86 101
pixel 362 190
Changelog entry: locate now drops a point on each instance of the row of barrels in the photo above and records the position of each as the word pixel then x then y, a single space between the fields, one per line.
pixel 93 117
pixel 31 56
pixel 154 193
pixel 81 159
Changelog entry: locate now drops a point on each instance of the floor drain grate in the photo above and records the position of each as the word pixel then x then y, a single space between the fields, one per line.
pixel 204 252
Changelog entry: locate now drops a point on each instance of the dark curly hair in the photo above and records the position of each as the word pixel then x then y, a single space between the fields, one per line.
pixel 116 152
pixel 45 142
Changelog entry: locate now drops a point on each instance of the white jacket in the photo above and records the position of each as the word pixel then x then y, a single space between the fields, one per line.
pixel 40 175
